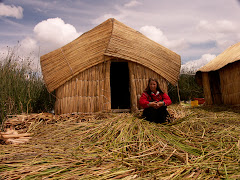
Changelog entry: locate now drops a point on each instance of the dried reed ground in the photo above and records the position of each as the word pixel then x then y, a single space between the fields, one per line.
pixel 200 143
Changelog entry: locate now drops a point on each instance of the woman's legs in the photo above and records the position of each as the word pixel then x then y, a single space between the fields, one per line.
pixel 156 115
pixel 162 114
pixel 150 114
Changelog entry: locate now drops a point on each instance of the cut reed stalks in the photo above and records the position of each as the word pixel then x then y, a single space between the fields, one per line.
pixel 115 146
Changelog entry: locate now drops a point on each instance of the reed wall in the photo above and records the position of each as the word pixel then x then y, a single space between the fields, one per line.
pixel 139 76
pixel 90 91
pixel 215 87
pixel 229 88
pixel 206 88
pixel 230 83
pixel 87 92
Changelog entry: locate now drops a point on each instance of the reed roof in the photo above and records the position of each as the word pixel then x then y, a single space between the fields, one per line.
pixel 110 39
pixel 228 56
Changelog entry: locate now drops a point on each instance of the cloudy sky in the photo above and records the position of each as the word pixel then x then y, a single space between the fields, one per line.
pixel 197 30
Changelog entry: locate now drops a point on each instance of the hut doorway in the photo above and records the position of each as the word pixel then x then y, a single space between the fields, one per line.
pixel 215 87
pixel 119 82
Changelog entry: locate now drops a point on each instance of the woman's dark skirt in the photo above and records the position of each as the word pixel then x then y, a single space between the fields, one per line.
pixel 156 115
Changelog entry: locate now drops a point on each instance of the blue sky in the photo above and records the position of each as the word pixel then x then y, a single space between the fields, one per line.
pixel 197 30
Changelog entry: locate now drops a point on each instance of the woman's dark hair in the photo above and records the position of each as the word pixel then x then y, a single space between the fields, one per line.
pixel 148 90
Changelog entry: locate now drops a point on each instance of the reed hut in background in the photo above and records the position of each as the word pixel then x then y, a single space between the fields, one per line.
pixel 107 68
pixel 220 78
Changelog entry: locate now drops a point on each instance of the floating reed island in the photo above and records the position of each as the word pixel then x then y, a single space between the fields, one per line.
pixel 201 143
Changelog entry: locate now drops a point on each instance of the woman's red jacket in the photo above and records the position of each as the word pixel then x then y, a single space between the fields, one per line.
pixel 146 98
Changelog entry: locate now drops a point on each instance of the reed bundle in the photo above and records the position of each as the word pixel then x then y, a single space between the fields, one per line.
pixel 202 143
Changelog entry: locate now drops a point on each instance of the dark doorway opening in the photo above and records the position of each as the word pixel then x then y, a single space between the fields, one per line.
pixel 119 82
pixel 215 87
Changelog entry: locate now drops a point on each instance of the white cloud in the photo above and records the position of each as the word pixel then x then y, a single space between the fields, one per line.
pixel 3 53
pixel 226 26
pixel 194 65
pixel 54 33
pixel 224 32
pixel 157 35
pixel 205 26
pixel 132 3
pixel 28 45
pixel 154 33
pixel 11 11
pixel 48 35
pixel 24 54
pixel 222 26
pixel 29 52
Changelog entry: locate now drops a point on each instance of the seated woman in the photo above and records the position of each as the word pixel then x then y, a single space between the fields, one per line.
pixel 154 102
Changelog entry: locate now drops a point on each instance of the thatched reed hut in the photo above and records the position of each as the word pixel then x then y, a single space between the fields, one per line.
pixel 107 68
pixel 220 78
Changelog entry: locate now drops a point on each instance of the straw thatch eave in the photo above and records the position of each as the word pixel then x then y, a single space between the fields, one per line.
pixel 107 40
pixel 129 44
pixel 228 56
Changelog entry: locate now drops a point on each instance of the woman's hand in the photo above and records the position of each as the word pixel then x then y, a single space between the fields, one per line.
pixel 156 104
pixel 153 104
pixel 160 104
